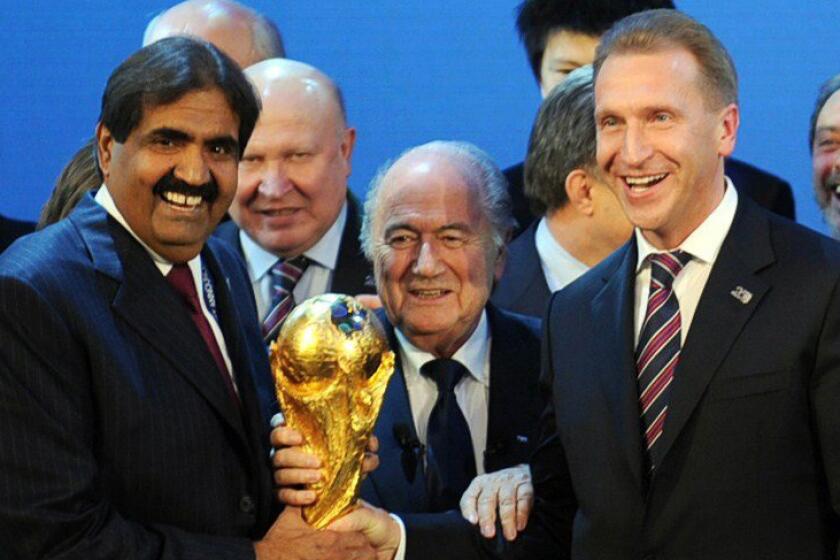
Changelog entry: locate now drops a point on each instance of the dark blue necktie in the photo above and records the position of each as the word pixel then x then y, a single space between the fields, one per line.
pixel 450 461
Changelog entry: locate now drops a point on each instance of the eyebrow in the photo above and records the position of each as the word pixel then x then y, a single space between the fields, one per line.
pixel 225 141
pixel 458 226
pixel 170 134
pixel 826 129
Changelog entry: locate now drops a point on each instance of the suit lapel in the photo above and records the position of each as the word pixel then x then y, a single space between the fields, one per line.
pixel 720 315
pixel 146 302
pixel 397 470
pixel 612 310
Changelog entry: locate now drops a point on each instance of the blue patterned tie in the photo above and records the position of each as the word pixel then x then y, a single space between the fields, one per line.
pixel 450 461
pixel 658 350
pixel 284 277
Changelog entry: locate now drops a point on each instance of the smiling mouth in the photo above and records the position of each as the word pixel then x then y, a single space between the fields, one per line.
pixel 189 202
pixel 645 182
pixel 428 294
pixel 278 212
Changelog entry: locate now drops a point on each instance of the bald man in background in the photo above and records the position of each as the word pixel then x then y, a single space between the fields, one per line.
pixel 241 33
pixel 295 223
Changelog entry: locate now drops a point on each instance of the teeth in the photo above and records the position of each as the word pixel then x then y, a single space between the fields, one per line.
pixel 181 199
pixel 836 189
pixel 428 293
pixel 643 181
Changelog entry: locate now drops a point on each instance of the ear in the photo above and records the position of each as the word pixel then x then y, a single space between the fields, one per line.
pixel 729 121
pixel 579 191
pixel 501 259
pixel 104 149
pixel 348 142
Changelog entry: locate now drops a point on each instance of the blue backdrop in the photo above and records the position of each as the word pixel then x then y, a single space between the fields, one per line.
pixel 411 72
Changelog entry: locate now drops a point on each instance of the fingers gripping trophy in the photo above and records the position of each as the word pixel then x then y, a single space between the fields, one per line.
pixel 331 367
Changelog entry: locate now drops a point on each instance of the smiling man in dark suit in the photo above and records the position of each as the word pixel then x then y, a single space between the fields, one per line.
pixel 295 224
pixel 463 399
pixel 561 35
pixel 695 372
pixel 131 424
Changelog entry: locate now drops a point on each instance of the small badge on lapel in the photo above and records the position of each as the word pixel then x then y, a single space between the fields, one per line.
pixel 522 439
pixel 742 294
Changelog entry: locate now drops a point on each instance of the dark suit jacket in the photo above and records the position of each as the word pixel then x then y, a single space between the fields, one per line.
pixel 12 229
pixel 764 188
pixel 119 438
pixel 751 447
pixel 353 275
pixel 399 486
pixel 522 287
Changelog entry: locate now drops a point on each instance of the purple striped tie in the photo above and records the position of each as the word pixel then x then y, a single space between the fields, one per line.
pixel 658 350
pixel 284 277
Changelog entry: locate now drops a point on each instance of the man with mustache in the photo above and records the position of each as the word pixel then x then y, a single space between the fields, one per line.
pixel 824 141
pixel 131 427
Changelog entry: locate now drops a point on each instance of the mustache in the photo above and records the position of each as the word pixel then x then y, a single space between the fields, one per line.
pixel 209 191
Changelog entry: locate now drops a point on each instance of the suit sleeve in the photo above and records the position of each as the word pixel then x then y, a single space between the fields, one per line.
pixel 549 531
pixel 52 504
pixel 825 388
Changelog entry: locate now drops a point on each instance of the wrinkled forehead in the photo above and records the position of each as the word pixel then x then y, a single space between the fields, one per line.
pixel 429 191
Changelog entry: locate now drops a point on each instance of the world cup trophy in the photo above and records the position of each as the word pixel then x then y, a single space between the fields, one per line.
pixel 331 365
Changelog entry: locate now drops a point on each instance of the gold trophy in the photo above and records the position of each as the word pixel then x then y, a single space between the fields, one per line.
pixel 331 366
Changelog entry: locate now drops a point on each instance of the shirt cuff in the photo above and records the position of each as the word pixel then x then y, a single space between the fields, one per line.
pixel 400 554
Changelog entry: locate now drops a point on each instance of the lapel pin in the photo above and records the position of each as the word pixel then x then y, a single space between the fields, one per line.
pixel 522 439
pixel 742 294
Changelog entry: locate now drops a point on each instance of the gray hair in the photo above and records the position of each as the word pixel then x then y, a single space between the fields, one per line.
pixel 562 140
pixel 829 88
pixel 479 170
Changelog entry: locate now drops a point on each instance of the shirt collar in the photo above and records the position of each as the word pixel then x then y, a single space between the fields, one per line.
pixel 324 252
pixel 705 241
pixel 563 268
pixel 473 354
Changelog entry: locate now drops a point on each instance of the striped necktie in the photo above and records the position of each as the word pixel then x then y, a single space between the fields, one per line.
pixel 284 277
pixel 658 350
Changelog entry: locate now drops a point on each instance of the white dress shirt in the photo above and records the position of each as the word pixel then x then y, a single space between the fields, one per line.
pixel 104 199
pixel 558 265
pixel 471 393
pixel 316 280
pixel 703 245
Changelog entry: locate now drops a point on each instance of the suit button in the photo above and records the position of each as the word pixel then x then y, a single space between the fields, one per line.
pixel 246 504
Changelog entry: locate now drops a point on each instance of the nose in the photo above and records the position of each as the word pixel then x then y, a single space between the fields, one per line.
pixel 274 182
pixel 428 261
pixel 635 149
pixel 192 168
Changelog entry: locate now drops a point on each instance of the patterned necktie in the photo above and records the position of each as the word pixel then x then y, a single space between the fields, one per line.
pixel 450 461
pixel 284 277
pixel 659 345
pixel 181 279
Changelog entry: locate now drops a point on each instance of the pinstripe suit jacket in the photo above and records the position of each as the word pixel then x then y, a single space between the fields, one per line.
pixel 118 438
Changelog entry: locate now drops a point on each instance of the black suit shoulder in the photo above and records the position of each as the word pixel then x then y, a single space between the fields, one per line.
pixel 766 189
pixel 522 287
pixel 11 229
